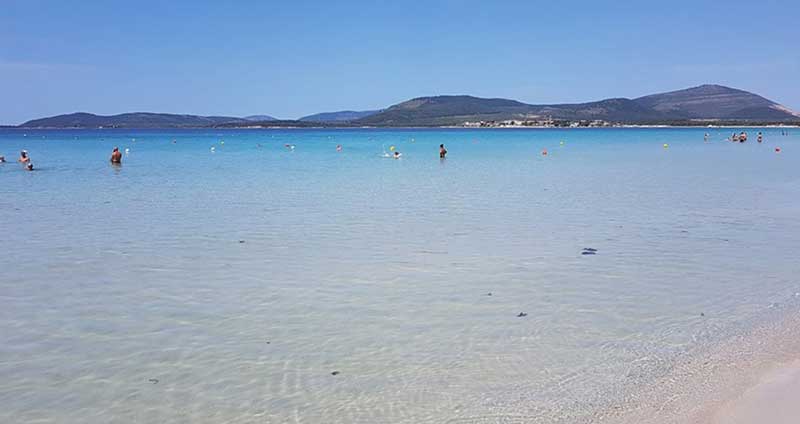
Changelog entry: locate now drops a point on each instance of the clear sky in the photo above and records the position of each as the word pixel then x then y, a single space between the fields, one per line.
pixel 292 58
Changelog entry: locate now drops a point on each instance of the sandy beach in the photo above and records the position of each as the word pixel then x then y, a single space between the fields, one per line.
pixel 753 379
pixel 773 400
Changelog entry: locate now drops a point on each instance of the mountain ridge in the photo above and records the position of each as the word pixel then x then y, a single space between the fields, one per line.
pixel 260 118
pixel 708 102
pixel 339 116
pixel 704 102
pixel 129 120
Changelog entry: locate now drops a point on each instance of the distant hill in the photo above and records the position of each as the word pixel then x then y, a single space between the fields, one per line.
pixel 260 118
pixel 715 102
pixel 445 110
pixel 454 110
pixel 281 123
pixel 344 115
pixel 130 120
pixel 703 102
pixel 612 110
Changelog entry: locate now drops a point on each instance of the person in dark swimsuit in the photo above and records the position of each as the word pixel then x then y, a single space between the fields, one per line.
pixel 442 151
pixel 116 156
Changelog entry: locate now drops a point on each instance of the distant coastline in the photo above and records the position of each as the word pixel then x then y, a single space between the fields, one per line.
pixel 705 105
pixel 351 127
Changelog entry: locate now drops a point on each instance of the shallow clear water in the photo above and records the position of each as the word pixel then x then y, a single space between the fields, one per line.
pixel 128 295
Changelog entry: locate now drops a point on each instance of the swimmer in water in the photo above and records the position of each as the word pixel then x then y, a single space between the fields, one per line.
pixel 442 151
pixel 116 156
pixel 24 158
pixel 397 155
pixel 705 137
pixel 2 159
pixel 760 137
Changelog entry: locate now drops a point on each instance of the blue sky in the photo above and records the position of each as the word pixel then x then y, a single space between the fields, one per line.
pixel 290 59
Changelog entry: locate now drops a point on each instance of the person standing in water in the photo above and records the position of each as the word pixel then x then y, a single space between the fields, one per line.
pixel 760 137
pixel 442 151
pixel 705 137
pixel 116 156
pixel 25 160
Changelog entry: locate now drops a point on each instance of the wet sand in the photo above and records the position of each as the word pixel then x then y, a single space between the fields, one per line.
pixel 775 400
pixel 753 379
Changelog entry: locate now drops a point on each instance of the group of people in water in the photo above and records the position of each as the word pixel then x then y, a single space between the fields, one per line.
pixel 398 155
pixel 741 137
pixel 24 160
pixel 116 155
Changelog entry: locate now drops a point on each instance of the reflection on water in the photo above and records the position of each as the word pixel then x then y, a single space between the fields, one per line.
pixel 191 286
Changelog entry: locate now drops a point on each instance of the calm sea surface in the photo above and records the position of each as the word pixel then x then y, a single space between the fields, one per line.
pixel 191 286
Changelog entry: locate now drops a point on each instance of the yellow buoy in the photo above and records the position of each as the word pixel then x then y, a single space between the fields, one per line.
pixel 666 145
pixel 391 148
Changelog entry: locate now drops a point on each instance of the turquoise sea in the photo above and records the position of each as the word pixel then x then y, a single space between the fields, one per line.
pixel 258 283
